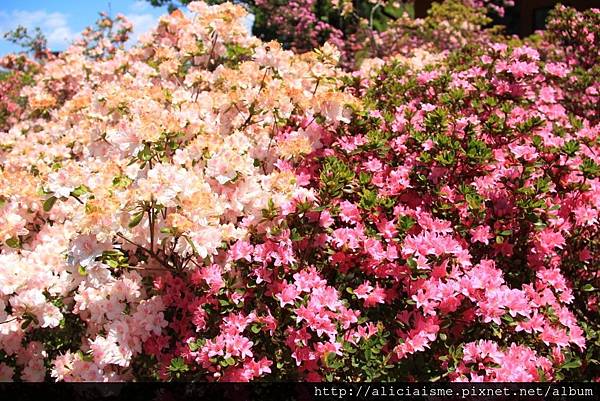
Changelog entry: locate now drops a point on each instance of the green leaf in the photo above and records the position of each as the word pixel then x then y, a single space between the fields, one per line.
pixel 178 365
pixel 191 243
pixel 26 324
pixel 330 359
pixel 364 178
pixel 169 230
pixel 572 364
pixel 80 190
pixel 13 242
pixel 135 220
pixel 121 181
pixel 571 147
pixel 368 199
pixel 588 288
pixel 590 168
pixel 49 203
pixel 335 176
pixel 145 154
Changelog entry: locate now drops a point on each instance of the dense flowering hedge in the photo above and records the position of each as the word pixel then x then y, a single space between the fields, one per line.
pixel 208 206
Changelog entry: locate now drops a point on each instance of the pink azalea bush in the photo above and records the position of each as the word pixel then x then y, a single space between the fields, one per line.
pixel 449 26
pixel 208 206
pixel 355 26
pixel 11 83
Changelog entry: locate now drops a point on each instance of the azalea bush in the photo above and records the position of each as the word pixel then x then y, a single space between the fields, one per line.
pixel 351 26
pixel 205 205
pixel 11 82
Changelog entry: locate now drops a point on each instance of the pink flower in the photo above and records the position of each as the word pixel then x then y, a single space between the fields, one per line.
pixel 288 295
pixel 325 297
pixel 373 165
pixel 549 240
pixel 481 234
pixel 241 250
pixel 349 212
pixel 325 219
pixel 238 345
pixel 212 276
pixel 527 152
pixel 363 290
pixel 346 237
pixel 377 296
pixel 428 107
pixel 548 94
pixel 557 69
pixel 535 323
pixel 307 279
pixel 519 69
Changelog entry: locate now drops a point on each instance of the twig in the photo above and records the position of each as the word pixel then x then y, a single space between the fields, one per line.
pixel 9 320
pixel 149 252
pixel 253 104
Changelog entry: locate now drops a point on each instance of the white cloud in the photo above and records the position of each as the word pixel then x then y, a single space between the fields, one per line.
pixel 142 23
pixel 139 6
pixel 54 25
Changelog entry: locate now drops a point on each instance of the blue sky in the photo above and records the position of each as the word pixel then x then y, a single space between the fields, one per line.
pixel 62 20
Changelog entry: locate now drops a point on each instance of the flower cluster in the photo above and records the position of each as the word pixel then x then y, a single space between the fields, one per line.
pixel 208 206
pixel 18 69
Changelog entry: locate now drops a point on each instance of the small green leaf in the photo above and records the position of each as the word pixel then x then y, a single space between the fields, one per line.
pixel 135 220
pixel 572 364
pixel 364 178
pixel 588 288
pixel 80 190
pixel 178 365
pixel 13 242
pixel 121 181
pixel 191 243
pixel 145 154
pixel 49 203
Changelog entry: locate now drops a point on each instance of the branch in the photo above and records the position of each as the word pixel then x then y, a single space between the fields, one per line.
pixel 9 320
pixel 149 252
